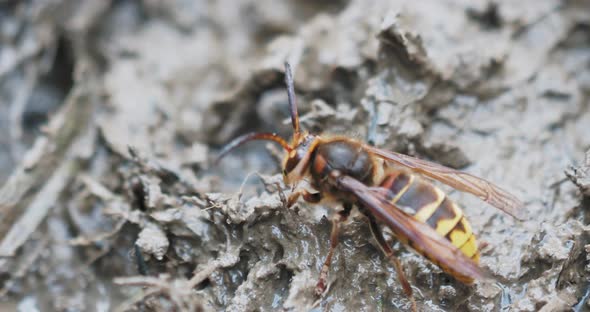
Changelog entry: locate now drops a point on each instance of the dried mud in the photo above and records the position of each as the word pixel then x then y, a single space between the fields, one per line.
pixel 111 112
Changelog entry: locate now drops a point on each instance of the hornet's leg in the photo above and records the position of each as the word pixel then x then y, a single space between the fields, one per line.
pixel 378 235
pixel 307 196
pixel 320 287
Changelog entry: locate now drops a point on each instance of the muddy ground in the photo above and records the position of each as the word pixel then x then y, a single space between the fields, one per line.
pixel 112 111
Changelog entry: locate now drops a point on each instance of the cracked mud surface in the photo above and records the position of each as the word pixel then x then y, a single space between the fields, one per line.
pixel 113 111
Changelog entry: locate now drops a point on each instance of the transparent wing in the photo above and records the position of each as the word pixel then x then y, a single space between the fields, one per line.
pixel 461 181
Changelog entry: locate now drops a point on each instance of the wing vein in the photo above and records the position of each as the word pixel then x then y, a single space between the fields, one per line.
pixel 424 238
pixel 461 181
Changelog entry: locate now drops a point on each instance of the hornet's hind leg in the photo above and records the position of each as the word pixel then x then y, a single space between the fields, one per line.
pixel 320 287
pixel 378 235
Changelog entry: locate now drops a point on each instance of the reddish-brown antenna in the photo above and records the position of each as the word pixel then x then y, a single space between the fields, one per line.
pixel 251 137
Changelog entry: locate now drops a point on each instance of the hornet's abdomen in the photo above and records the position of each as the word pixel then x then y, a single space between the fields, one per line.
pixel 428 204
pixel 344 156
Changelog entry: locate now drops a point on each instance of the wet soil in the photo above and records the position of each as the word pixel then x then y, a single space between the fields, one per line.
pixel 112 112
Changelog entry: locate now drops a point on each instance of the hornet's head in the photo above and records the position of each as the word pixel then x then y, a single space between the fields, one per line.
pixel 296 161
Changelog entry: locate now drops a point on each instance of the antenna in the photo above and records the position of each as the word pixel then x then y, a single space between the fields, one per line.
pixel 251 137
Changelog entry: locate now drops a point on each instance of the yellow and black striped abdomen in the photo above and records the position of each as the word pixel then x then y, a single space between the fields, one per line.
pixel 430 205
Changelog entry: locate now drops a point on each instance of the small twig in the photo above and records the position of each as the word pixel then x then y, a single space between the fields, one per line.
pixel 37 210
pixel 144 281
pixel 96 188
pixel 127 305
pixel 203 274
pixel 241 191
pixel 177 291
pixel 39 165
pixel 88 240
pixel 25 264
